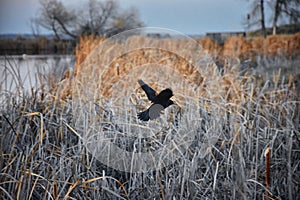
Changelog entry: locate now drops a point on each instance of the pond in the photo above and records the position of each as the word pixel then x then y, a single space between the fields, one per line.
pixel 26 71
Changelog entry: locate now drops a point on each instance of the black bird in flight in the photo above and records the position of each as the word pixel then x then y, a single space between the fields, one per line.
pixel 160 102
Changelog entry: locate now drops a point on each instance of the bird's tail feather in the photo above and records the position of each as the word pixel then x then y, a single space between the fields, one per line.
pixel 144 115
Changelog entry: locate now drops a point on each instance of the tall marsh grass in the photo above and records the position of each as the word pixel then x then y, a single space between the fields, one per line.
pixel 254 156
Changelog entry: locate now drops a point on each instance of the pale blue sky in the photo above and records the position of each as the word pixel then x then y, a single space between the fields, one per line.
pixel 186 16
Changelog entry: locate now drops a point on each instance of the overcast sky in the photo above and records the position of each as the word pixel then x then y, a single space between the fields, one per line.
pixel 186 16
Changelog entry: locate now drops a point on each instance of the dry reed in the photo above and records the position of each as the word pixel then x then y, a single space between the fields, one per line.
pixel 43 157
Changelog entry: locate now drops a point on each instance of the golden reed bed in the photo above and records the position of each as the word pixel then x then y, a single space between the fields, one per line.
pixel 114 73
pixel 228 85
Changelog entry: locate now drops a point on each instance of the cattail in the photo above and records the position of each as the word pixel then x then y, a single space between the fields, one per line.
pixel 268 160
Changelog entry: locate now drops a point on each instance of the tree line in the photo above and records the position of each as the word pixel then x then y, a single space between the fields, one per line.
pixel 107 18
pixel 286 11
pixel 34 46
pixel 95 17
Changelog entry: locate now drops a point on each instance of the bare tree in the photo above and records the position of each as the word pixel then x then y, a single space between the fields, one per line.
pixel 276 11
pixel 285 9
pixel 100 14
pixel 54 16
pixel 256 17
pixel 107 18
pixel 100 18
pixel 128 19
pixel 262 18
pixel 35 29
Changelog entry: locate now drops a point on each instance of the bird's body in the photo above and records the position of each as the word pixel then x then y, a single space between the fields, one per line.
pixel 163 98
pixel 160 102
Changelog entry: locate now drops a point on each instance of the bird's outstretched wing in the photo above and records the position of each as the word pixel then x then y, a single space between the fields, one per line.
pixel 151 94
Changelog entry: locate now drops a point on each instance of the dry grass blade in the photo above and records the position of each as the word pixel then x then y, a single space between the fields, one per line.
pixel 107 177
pixel 71 188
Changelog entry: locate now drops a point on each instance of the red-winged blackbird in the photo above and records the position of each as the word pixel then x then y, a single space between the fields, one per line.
pixel 160 102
